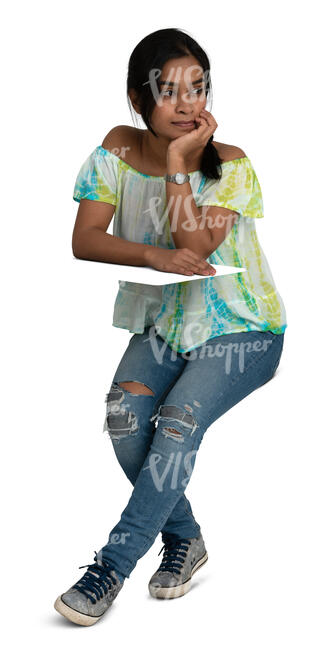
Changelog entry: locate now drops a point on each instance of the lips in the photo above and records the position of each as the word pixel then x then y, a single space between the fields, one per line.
pixel 184 123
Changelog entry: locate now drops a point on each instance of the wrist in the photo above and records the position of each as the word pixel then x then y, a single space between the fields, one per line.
pixel 176 163
pixel 147 253
pixel 172 150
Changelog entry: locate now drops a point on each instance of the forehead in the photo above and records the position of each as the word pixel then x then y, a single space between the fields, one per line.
pixel 182 70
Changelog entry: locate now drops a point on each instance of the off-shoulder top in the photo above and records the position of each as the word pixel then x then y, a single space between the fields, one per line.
pixel 186 314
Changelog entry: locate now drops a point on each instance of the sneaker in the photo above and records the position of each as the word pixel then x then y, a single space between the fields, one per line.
pixel 181 558
pixel 87 600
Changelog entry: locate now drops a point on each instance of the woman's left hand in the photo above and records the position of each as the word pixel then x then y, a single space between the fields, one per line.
pixel 192 142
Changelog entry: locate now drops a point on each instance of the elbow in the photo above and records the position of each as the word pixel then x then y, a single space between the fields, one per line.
pixel 203 251
pixel 211 249
pixel 79 254
pixel 77 249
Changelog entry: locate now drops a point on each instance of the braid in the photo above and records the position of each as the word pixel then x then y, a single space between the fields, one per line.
pixel 211 162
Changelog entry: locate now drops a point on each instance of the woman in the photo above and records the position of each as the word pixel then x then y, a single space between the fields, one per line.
pixel 180 202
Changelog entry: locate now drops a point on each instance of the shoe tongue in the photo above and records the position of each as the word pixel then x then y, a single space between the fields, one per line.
pixel 99 560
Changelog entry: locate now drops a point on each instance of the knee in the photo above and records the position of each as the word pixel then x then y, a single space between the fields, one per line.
pixel 120 422
pixel 176 422
pixel 136 387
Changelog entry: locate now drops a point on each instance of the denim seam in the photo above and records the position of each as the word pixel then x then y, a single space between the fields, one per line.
pixel 167 513
pixel 165 393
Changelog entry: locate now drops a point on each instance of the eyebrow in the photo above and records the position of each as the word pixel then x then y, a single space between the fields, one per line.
pixel 170 83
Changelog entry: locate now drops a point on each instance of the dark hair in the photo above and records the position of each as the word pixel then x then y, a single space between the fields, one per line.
pixel 154 51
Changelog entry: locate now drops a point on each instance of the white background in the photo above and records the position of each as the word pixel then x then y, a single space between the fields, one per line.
pixel 263 487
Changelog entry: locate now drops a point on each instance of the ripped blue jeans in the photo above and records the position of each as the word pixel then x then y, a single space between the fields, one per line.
pixel 156 436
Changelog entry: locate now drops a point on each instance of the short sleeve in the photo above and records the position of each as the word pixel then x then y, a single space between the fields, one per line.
pixel 97 178
pixel 237 190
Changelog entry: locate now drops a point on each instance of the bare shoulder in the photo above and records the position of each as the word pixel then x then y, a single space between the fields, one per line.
pixel 121 139
pixel 228 152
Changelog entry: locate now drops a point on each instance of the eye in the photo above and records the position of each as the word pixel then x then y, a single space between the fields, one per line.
pixel 195 90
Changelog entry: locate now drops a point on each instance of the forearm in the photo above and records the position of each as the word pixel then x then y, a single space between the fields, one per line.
pixel 188 229
pixel 99 246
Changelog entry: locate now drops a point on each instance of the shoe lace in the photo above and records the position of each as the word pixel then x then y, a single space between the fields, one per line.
pixel 97 580
pixel 174 547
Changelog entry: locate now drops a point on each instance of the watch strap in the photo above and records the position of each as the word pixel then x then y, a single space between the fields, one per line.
pixel 179 178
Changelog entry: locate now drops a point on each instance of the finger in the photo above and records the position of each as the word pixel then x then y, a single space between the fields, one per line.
pixel 209 127
pixel 209 117
pixel 200 264
pixel 204 115
pixel 193 257
pixel 204 129
pixel 197 267
pixel 192 269
pixel 202 122
pixel 183 268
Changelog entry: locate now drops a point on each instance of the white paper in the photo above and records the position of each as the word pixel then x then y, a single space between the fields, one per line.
pixel 148 275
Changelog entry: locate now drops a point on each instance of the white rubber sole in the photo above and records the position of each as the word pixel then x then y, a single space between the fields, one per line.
pixel 179 590
pixel 73 615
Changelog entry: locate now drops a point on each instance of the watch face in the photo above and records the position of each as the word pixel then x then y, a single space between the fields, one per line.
pixel 179 178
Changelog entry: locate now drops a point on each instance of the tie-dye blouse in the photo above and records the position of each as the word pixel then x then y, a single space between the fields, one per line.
pixel 186 314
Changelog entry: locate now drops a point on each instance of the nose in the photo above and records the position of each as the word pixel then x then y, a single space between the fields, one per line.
pixel 183 109
pixel 184 105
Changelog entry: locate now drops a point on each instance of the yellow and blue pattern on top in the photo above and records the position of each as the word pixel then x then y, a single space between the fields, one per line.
pixel 186 314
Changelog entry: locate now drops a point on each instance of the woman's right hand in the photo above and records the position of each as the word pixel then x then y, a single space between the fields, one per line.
pixel 177 260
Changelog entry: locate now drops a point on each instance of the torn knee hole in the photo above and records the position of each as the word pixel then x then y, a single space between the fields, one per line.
pixel 119 422
pixel 120 425
pixel 136 387
pixel 172 412
pixel 173 431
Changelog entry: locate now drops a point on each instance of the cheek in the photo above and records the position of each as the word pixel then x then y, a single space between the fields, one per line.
pixel 163 115
pixel 200 103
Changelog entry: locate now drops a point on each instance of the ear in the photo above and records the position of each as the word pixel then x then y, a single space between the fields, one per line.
pixel 134 100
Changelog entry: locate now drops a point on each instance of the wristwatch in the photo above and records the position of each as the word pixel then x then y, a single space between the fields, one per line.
pixel 178 178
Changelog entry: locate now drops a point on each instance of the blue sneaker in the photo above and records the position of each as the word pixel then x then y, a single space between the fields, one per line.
pixel 89 598
pixel 181 558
